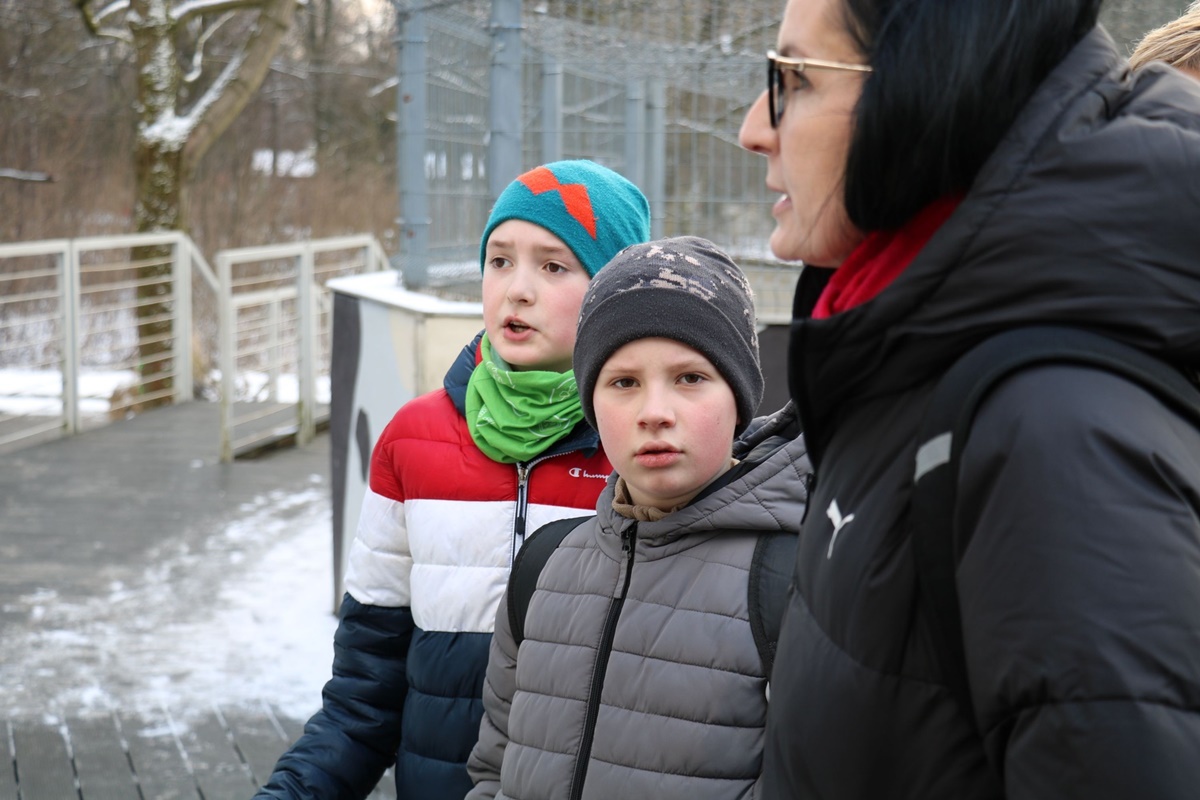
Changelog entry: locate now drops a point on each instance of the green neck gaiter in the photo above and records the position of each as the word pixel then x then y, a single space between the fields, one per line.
pixel 515 415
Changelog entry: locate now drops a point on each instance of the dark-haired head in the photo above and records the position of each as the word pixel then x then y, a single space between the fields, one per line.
pixel 949 78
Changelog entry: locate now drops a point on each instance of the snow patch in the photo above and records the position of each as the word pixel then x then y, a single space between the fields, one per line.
pixel 246 620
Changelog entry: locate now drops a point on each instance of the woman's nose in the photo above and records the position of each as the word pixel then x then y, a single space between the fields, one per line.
pixel 756 134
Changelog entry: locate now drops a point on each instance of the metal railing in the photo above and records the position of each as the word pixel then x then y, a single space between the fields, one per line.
pixel 276 321
pixel 76 316
pixel 69 321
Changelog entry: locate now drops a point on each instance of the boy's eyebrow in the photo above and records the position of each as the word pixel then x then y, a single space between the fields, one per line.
pixel 692 363
pixel 509 244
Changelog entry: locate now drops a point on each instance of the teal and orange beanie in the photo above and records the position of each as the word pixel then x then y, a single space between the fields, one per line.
pixel 592 209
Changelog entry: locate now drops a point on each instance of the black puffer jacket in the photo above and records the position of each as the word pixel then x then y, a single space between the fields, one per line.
pixel 1080 586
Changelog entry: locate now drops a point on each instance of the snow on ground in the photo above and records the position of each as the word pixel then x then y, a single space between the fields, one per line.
pixel 38 392
pixel 246 620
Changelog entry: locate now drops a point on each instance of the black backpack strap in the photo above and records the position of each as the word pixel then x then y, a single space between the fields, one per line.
pixel 771 569
pixel 942 436
pixel 532 556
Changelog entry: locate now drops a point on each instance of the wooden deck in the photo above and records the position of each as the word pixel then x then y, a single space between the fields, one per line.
pixel 216 754
pixel 257 427
pixel 80 514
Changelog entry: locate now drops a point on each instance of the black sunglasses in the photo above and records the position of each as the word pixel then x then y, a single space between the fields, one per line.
pixel 776 64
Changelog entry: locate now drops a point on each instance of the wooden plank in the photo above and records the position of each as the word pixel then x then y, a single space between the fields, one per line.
pixel 216 765
pixel 386 790
pixel 101 764
pixel 259 740
pixel 8 772
pixel 44 769
pixel 292 728
pixel 259 427
pixel 157 760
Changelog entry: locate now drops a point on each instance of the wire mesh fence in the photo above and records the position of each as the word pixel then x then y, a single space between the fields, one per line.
pixel 656 91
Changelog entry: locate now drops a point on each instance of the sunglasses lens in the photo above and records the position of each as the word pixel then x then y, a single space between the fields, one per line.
pixel 774 82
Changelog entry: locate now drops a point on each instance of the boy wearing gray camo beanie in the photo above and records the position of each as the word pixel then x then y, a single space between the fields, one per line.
pixel 631 635
pixel 685 289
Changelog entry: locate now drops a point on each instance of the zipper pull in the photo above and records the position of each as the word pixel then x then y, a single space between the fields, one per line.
pixel 627 539
pixel 522 473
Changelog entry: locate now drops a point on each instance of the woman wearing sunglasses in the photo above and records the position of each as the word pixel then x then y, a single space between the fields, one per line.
pixel 948 171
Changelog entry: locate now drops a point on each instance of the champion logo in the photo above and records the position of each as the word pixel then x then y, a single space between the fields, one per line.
pixel 579 472
pixel 574 196
pixel 835 516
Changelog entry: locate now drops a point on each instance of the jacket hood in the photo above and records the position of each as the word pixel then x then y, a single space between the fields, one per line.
pixel 771 496
pixel 459 374
pixel 1087 214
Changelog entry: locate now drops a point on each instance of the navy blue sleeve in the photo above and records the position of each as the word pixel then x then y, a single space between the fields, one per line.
pixel 347 745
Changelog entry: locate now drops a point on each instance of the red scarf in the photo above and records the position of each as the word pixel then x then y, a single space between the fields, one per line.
pixel 879 259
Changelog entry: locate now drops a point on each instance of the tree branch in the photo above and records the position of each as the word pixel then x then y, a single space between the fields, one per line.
pixel 213 114
pixel 201 40
pixel 195 8
pixel 85 11
pixel 112 8
pixel 31 177
pixel 92 23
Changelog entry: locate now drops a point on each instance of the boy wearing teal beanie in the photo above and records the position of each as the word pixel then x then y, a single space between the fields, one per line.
pixel 457 479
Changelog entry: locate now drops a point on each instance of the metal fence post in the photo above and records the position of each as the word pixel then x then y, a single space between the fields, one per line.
pixel 635 132
pixel 656 145
pixel 274 351
pixel 411 101
pixel 226 319
pixel 70 289
pixel 307 366
pixel 552 114
pixel 505 97
pixel 181 281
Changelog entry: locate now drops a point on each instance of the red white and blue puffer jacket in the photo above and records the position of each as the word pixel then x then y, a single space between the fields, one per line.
pixel 439 527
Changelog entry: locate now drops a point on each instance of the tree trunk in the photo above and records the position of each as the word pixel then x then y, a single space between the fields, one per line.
pixel 169 146
pixel 158 170
pixel 160 206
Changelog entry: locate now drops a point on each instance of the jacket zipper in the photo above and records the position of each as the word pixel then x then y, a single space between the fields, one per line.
pixel 629 541
pixel 519 524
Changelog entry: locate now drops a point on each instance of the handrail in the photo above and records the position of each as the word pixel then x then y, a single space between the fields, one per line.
pixel 206 271
pixel 254 321
pixel 44 247
pixel 77 298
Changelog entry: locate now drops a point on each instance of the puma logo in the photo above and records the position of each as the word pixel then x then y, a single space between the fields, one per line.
pixel 835 516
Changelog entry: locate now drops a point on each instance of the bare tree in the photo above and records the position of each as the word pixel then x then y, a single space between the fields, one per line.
pixel 169 40
pixel 171 140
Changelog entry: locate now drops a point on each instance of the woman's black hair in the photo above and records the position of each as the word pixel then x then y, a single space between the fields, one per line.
pixel 949 79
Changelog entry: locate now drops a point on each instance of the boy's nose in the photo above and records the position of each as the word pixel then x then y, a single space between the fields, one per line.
pixel 657 411
pixel 520 288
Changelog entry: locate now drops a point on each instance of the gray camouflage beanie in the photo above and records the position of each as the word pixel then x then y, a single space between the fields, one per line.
pixel 683 289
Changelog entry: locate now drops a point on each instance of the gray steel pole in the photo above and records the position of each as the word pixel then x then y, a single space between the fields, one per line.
pixel 635 132
pixel 552 114
pixel 656 157
pixel 504 101
pixel 414 221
